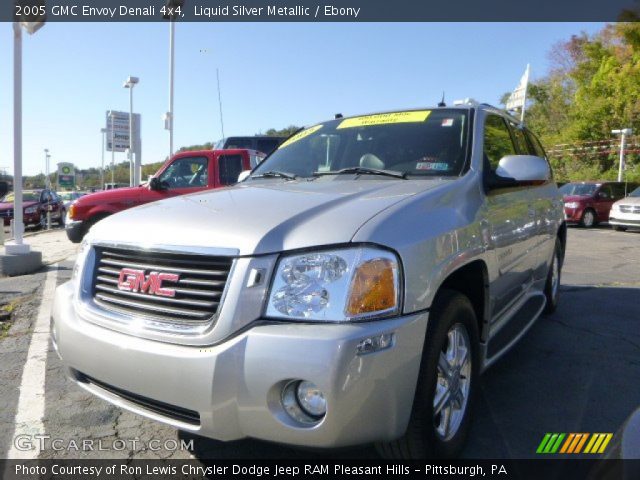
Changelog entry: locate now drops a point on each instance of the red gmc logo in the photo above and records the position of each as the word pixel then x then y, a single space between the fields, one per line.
pixel 133 280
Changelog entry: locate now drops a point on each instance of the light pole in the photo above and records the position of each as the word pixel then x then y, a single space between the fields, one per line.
pixel 113 147
pixel 623 132
pixel 47 182
pixel 134 174
pixel 172 33
pixel 173 8
pixel 103 134
pixel 17 246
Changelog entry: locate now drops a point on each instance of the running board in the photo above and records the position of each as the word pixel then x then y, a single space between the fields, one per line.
pixel 514 328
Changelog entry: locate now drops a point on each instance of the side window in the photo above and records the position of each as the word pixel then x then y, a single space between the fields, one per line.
pixel 535 143
pixel 606 192
pixel 230 166
pixel 497 141
pixel 46 197
pixel 618 191
pixel 187 172
pixel 522 147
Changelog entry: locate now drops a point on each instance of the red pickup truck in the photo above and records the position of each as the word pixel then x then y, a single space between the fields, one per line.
pixel 185 172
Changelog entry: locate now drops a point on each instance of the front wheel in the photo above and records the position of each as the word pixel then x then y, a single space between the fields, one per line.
pixel 441 413
pixel 62 219
pixel 552 286
pixel 588 218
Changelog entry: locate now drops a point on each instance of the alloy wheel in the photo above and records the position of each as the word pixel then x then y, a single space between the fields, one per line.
pixel 453 382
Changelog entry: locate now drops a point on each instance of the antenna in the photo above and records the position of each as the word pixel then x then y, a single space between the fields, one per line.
pixel 220 104
pixel 442 104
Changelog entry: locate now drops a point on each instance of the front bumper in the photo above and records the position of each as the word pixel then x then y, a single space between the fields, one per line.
pixel 631 220
pixel 75 230
pixel 235 386
pixel 573 215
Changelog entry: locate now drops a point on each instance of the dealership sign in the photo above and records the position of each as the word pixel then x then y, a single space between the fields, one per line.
pixel 118 130
pixel 66 175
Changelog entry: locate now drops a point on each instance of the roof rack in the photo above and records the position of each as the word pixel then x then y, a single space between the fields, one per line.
pixel 466 101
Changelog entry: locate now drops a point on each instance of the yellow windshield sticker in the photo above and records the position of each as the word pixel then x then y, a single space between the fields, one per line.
pixel 385 118
pixel 300 136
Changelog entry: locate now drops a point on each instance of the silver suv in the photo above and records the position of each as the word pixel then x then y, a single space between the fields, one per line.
pixel 350 290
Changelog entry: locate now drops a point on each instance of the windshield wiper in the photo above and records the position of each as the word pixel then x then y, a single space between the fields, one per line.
pixel 366 171
pixel 275 174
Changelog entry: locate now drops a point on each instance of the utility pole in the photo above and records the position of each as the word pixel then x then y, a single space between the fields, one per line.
pixel 623 132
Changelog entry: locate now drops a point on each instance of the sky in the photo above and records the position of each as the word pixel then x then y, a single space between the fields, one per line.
pixel 272 75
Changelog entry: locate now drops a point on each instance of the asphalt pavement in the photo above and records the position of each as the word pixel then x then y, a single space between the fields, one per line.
pixel 574 371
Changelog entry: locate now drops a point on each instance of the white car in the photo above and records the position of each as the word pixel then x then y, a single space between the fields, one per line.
pixel 625 213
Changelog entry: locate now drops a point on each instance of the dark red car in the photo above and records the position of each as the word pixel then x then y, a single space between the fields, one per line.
pixel 588 203
pixel 35 205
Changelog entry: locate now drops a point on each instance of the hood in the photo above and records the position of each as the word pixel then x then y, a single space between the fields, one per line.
pixel 629 201
pixel 107 196
pixel 262 216
pixel 8 205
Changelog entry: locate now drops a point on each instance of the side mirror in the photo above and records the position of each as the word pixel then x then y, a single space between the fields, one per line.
pixel 4 188
pixel 243 175
pixel 514 170
pixel 154 184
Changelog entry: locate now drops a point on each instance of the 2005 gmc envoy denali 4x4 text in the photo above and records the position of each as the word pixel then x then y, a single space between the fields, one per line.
pixel 349 290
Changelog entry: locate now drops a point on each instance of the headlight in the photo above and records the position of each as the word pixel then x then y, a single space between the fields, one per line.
pixel 80 259
pixel 571 205
pixel 615 207
pixel 30 210
pixel 335 285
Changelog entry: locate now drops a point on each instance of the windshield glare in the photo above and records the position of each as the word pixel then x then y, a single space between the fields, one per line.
pixel 418 143
pixel 26 197
pixel 581 189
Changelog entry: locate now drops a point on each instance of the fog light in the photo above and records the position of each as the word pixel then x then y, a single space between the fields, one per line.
pixel 311 399
pixel 304 402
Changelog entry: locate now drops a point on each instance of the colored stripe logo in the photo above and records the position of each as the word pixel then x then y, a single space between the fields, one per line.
pixel 593 443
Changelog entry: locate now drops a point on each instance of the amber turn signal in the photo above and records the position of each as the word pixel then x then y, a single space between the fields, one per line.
pixel 373 288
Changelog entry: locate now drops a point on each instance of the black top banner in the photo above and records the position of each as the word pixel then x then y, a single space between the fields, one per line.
pixel 320 10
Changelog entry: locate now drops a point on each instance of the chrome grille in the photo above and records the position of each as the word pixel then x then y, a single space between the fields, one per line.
pixel 630 208
pixel 198 289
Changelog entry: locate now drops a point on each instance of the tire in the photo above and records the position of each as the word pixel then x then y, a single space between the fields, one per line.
pixel 61 221
pixel 618 228
pixel 552 286
pixel 452 316
pixel 588 219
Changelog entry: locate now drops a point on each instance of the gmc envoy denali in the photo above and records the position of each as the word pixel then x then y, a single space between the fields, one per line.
pixel 349 290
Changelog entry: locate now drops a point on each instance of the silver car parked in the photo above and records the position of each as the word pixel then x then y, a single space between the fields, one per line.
pixel 350 290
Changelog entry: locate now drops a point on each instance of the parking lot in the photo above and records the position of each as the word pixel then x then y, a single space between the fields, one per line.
pixel 575 371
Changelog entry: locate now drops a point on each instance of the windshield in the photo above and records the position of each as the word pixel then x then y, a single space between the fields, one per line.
pixel 581 189
pixel 635 193
pixel 26 197
pixel 417 143
pixel 67 196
